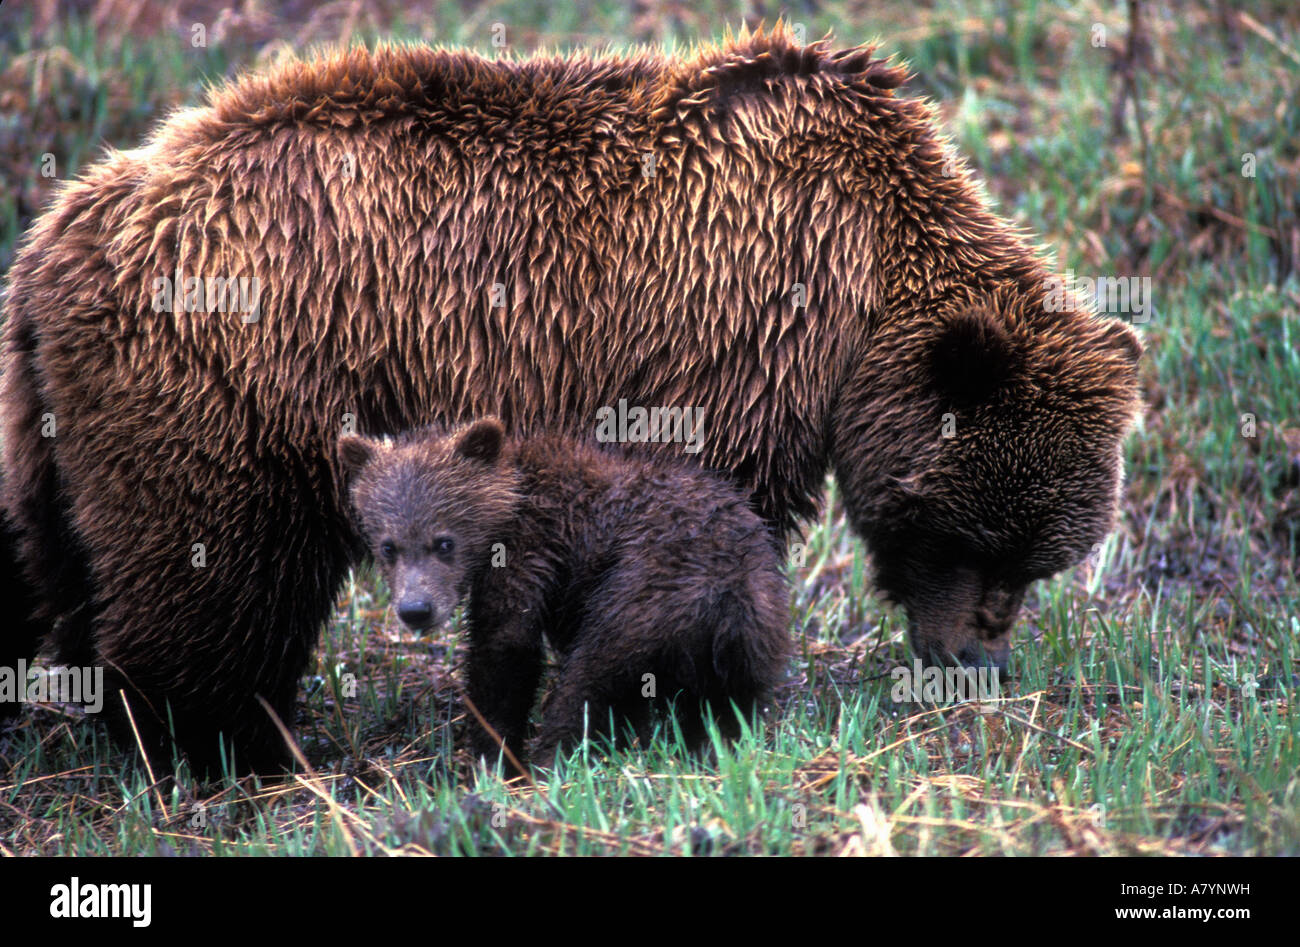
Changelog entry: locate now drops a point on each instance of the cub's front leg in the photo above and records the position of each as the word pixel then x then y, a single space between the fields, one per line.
pixel 504 664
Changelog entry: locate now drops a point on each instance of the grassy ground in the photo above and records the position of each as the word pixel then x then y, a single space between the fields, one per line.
pixel 1153 707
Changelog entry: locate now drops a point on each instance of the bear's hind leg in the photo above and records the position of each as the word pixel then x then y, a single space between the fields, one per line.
pixel 21 635
pixel 211 607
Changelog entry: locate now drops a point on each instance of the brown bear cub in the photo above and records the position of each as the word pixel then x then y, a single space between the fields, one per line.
pixel 652 581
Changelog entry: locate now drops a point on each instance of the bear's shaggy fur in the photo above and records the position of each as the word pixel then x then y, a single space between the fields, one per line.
pixel 652 580
pixel 22 630
pixel 762 230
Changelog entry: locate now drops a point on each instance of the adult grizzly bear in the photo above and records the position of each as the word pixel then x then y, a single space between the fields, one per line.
pixel 763 231
pixel 627 566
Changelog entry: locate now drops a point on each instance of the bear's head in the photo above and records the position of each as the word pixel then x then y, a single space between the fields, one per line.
pixel 978 455
pixel 430 506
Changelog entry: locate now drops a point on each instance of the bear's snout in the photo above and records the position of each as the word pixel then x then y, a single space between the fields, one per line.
pixel 416 613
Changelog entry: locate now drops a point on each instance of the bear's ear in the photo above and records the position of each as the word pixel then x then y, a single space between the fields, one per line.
pixel 1121 337
pixel 973 356
pixel 481 441
pixel 355 452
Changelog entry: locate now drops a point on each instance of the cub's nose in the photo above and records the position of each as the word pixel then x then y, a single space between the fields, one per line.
pixel 416 613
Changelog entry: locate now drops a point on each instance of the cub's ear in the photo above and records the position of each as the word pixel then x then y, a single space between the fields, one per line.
pixel 355 452
pixel 481 441
pixel 973 356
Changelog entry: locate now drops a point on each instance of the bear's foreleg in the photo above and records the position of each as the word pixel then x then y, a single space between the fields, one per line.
pixel 503 669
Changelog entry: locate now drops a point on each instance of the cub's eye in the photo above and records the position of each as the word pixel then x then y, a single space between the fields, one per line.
pixel 387 551
pixel 444 545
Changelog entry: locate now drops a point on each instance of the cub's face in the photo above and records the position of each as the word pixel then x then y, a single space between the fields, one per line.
pixel 429 507
pixel 1006 470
